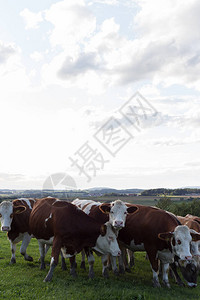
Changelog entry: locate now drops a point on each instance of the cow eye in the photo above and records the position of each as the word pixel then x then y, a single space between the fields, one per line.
pixel 11 216
pixel 178 242
pixel 112 212
pixel 125 213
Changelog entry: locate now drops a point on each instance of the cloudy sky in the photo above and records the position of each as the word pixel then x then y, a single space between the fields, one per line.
pixel 67 70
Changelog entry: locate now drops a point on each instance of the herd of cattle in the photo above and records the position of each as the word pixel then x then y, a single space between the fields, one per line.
pixel 112 230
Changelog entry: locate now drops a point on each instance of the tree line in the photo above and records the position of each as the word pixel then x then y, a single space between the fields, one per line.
pixel 171 192
pixel 180 209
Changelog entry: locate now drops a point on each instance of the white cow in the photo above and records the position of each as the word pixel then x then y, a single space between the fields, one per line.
pixel 14 217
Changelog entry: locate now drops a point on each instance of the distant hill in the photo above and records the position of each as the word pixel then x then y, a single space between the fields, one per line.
pixel 65 194
pixel 96 192
pixel 191 187
pixel 102 191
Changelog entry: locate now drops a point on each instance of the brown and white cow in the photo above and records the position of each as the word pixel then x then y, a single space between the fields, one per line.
pixel 194 218
pixel 69 230
pixel 114 212
pixel 195 227
pixel 14 217
pixel 160 235
pixel 189 269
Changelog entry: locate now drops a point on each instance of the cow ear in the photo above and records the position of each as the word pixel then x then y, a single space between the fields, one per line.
pixel 195 236
pixel 197 220
pixel 105 208
pixel 18 209
pixel 103 230
pixel 165 236
pixel 132 209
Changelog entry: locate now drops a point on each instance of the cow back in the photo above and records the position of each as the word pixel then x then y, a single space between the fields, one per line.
pixel 40 221
pixel 145 225
pixel 190 223
pixel 51 217
pixel 98 215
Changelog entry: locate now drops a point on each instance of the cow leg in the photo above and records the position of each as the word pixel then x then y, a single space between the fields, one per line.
pixel 126 265
pixel 156 282
pixel 63 263
pixel 131 258
pixel 13 250
pixel 104 259
pixel 175 274
pixel 25 243
pixel 155 267
pixel 56 248
pixel 109 263
pixel 42 255
pixel 121 259
pixel 165 278
pixel 47 246
pixel 121 264
pixel 72 260
pixel 83 260
pixel 113 262
pixel 91 261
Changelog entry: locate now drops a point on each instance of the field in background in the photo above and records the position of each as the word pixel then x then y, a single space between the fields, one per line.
pixel 24 280
pixel 143 200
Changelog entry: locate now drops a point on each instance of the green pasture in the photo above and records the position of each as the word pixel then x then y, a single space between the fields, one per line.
pixel 24 280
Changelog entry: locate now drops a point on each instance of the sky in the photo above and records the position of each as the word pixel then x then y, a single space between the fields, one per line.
pixel 101 93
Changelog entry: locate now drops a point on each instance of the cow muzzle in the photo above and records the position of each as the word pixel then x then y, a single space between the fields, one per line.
pixel 191 284
pixel 188 257
pixel 5 228
pixel 118 224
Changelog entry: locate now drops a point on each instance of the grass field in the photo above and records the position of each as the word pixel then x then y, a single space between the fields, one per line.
pixel 24 280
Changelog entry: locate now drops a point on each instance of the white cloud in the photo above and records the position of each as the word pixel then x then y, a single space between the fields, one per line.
pixel 12 72
pixel 172 24
pixel 31 19
pixel 150 90
pixel 6 51
pixel 72 21
pixel 90 68
pixel 37 56
pixel 160 53
pixel 107 2
pixel 164 48
pixel 73 68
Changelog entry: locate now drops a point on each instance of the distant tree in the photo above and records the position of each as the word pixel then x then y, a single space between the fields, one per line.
pixel 165 203
pixel 110 195
pixel 172 192
pixel 182 209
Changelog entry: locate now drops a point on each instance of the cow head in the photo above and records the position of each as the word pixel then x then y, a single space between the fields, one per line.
pixel 7 211
pixel 190 270
pixel 195 243
pixel 107 241
pixel 117 211
pixel 180 240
